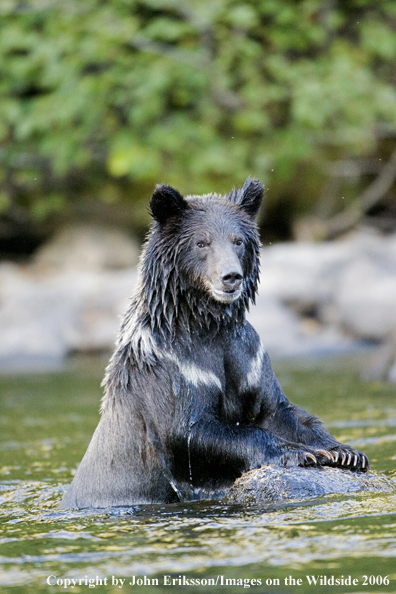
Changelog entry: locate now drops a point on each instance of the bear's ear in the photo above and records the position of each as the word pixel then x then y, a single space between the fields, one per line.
pixel 166 202
pixel 249 197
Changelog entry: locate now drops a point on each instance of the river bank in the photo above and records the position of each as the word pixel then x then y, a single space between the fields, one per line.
pixel 315 299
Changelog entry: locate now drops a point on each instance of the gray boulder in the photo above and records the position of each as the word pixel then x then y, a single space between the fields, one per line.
pixel 45 316
pixel 350 284
pixel 68 300
pixel 276 484
pixel 88 247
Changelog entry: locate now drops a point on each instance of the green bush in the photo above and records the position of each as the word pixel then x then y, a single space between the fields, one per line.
pixel 100 100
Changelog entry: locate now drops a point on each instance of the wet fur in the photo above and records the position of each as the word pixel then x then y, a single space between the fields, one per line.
pixel 191 401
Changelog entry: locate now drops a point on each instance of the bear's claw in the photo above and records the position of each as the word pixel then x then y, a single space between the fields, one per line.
pixel 350 459
pixel 347 459
pixel 365 464
pixel 326 454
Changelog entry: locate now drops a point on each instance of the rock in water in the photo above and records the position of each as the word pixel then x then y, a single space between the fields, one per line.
pixel 276 484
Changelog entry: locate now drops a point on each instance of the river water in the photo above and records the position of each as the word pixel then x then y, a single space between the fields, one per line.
pixel 344 543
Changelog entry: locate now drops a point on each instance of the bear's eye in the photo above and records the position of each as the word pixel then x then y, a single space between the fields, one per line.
pixel 201 244
pixel 238 241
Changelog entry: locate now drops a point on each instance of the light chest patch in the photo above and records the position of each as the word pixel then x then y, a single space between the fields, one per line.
pixel 253 378
pixel 195 375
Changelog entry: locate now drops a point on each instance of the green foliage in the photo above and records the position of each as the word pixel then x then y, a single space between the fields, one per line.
pixel 104 99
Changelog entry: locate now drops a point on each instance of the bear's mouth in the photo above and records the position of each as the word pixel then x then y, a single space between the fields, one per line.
pixel 226 296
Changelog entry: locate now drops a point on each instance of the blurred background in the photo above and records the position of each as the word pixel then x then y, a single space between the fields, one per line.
pixel 101 100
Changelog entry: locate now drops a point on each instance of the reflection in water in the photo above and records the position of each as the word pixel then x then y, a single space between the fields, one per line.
pixel 46 422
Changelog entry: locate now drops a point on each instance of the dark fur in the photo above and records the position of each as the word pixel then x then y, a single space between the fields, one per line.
pixel 191 400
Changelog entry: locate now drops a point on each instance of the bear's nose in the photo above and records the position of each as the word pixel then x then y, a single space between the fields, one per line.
pixel 231 280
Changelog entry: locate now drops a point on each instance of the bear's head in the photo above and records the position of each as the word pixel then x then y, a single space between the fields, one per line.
pixel 201 261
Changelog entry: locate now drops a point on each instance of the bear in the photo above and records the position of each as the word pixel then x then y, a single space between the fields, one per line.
pixel 191 400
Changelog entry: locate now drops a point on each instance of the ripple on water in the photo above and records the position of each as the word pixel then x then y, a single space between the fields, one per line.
pixel 37 539
pixel 184 537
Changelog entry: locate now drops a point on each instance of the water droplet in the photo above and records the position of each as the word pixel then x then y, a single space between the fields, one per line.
pixel 189 458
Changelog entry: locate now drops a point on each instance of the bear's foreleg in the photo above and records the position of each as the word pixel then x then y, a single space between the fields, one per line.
pixel 292 422
pixel 218 452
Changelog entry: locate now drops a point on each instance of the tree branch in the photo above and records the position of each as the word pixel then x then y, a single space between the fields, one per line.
pixel 352 214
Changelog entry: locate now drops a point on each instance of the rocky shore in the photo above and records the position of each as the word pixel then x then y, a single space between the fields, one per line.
pixel 314 298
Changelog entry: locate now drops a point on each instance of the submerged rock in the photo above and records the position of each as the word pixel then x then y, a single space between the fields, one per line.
pixel 276 484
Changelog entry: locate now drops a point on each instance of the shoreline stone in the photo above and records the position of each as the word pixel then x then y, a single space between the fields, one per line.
pixel 314 300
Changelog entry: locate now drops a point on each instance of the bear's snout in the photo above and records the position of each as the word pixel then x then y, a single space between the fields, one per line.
pixel 226 285
pixel 231 279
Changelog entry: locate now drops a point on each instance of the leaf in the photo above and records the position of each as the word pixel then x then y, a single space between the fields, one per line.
pixel 135 160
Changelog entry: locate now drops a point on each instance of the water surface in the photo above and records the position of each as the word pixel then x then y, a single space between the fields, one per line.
pixel 46 421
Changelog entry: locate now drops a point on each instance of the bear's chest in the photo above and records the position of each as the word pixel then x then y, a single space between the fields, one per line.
pixel 209 379
pixel 201 368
